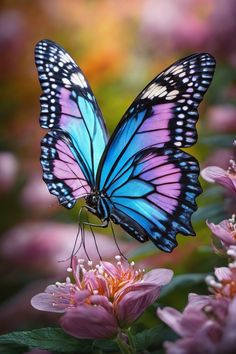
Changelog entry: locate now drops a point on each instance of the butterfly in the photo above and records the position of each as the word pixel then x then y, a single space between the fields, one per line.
pixel 138 178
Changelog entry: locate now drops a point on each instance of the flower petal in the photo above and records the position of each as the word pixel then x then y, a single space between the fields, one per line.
pixel 110 268
pixel 160 277
pixel 87 321
pixel 228 341
pixel 213 173
pixel 56 298
pixel 222 231
pixel 171 317
pixel 223 273
pixel 137 298
pixel 45 302
pixel 220 176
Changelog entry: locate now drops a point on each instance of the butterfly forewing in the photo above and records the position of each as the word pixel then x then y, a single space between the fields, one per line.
pixel 163 115
pixel 69 106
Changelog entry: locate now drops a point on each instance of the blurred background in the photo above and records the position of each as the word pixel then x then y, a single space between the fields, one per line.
pixel 120 48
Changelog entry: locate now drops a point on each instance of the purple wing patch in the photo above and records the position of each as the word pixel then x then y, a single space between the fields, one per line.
pixel 61 170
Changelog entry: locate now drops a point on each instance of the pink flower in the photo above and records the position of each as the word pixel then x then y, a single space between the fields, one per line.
pixel 222 118
pixel 226 178
pixel 223 285
pixel 225 231
pixel 8 171
pixel 207 326
pixel 103 298
pixel 35 197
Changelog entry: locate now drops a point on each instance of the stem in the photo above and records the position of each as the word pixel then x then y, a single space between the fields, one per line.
pixel 131 340
pixel 126 348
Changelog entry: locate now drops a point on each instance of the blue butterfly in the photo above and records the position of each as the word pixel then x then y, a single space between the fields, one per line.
pixel 138 178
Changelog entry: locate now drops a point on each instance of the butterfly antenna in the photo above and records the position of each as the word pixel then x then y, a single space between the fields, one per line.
pixel 114 236
pixel 73 253
pixel 94 237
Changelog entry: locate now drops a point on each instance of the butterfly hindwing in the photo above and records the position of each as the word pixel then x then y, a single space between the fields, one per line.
pixel 163 115
pixel 158 191
pixel 61 169
pixel 68 107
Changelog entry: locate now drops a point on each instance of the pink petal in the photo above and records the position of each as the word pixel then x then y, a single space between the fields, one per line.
pixel 102 301
pixel 44 302
pixel 48 301
pixel 172 318
pixel 228 341
pixel 110 268
pixel 159 277
pixel 220 176
pixel 223 273
pixel 222 231
pixel 213 173
pixel 137 298
pixel 198 301
pixel 80 296
pixel 88 321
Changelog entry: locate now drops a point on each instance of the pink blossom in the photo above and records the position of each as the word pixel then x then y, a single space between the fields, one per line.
pixel 225 231
pixel 207 325
pixel 223 284
pixel 35 197
pixel 8 171
pixel 226 178
pixel 179 28
pixel 103 298
pixel 222 118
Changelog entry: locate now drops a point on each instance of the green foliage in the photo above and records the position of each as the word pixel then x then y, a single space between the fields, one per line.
pixel 54 339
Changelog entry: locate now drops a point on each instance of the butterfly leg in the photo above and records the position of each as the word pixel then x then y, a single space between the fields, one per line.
pixel 87 208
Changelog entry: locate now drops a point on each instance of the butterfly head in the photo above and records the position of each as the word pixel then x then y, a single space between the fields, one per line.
pixel 92 200
pixel 98 204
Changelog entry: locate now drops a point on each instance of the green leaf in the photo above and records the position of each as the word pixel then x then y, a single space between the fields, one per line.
pixel 180 281
pixel 53 339
pixel 153 337
pixel 12 349
pixel 107 346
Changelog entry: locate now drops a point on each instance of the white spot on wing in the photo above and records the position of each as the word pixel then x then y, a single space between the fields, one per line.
pixel 78 79
pixel 155 90
pixel 172 95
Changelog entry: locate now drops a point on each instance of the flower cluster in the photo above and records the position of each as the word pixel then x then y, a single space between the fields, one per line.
pixel 207 324
pixel 102 300
pixel 225 178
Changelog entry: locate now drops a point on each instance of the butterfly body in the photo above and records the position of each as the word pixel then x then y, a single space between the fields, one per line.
pixel 98 205
pixel 138 178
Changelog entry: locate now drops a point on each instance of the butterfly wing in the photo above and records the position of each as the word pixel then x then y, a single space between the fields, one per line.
pixel 155 197
pixel 71 151
pixel 162 118
pixel 163 115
